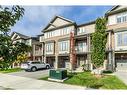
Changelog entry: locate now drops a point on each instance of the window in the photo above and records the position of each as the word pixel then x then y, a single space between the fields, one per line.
pixel 64 46
pixel 125 39
pixel 82 30
pixel 119 20
pixel 122 18
pixel 49 47
pixel 58 32
pixel 122 39
pixel 119 39
pixel 81 46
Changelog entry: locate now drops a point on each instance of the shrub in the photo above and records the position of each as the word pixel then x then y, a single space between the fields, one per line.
pixel 107 71
pixel 94 84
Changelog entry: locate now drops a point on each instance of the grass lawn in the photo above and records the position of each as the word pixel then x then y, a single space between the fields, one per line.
pixel 89 80
pixel 10 70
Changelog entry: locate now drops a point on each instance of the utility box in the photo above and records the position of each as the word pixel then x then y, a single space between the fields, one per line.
pixel 59 74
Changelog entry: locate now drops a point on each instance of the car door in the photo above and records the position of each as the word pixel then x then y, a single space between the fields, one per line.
pixel 42 65
pixel 36 64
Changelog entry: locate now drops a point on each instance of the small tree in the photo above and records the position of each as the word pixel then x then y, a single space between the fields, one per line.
pixel 99 40
pixel 21 58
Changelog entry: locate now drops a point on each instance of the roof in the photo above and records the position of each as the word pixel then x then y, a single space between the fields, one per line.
pixel 115 10
pixel 21 35
pixel 25 37
pixel 87 23
pixel 55 17
pixel 41 34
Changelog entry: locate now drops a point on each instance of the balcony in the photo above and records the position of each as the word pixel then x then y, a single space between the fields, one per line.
pixel 80 49
pixel 38 53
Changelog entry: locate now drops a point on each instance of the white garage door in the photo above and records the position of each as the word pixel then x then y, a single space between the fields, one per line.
pixel 121 65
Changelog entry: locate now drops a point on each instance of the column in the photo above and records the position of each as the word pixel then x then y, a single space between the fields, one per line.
pixel 113 60
pixel 33 52
pixel 110 65
pixel 56 62
pixel 90 67
pixel 42 52
pixel 44 59
pixel 109 40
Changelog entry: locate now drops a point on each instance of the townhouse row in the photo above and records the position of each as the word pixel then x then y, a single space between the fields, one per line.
pixel 64 44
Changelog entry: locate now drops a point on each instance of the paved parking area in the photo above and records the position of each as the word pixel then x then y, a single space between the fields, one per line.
pixel 18 82
pixel 35 75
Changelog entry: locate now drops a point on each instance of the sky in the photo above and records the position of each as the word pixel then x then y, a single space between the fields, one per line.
pixel 37 17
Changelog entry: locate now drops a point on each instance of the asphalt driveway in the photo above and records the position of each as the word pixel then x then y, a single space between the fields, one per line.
pixel 35 75
pixel 122 75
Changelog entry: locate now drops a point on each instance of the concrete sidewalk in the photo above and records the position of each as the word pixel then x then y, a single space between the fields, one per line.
pixel 17 82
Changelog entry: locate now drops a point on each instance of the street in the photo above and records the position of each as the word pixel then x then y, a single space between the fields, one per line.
pixel 35 75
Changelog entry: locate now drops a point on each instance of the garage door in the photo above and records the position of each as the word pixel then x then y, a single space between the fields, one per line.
pixel 121 65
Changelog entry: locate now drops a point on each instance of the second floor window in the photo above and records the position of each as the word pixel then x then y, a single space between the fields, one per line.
pixel 49 47
pixel 81 46
pixel 122 39
pixel 64 46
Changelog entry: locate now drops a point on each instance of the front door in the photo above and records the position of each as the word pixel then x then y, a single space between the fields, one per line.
pixel 67 64
pixel 81 61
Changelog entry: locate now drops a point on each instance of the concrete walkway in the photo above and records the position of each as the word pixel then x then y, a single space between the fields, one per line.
pixel 122 76
pixel 18 82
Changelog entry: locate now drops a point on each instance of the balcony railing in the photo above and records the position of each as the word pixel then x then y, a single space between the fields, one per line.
pixel 38 53
pixel 80 49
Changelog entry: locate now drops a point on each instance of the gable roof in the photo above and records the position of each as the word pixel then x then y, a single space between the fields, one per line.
pixel 113 8
pixel 21 35
pixel 50 24
pixel 116 9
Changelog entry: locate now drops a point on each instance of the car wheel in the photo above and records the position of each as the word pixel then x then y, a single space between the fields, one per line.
pixel 33 69
pixel 47 67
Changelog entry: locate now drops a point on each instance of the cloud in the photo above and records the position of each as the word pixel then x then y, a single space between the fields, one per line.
pixel 36 17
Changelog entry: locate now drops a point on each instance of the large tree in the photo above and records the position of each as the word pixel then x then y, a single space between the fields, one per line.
pixel 9 16
pixel 9 51
pixel 99 40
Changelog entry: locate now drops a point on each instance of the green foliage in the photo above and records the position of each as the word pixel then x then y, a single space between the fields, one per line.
pixel 90 81
pixel 9 16
pixel 21 58
pixel 99 40
pixel 112 82
pixel 94 84
pixel 107 72
pixel 8 51
pixel 10 70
